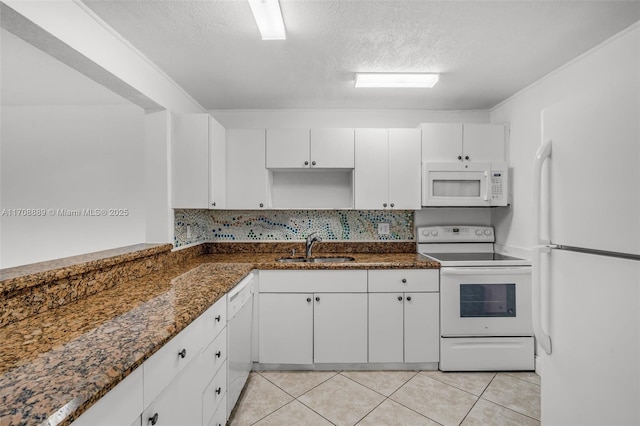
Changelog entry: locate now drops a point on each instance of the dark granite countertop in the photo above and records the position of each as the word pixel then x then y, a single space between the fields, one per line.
pixel 56 364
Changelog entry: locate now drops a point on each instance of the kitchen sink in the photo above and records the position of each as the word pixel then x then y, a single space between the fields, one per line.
pixel 315 259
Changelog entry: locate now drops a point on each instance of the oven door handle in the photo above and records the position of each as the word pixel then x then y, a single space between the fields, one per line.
pixel 504 270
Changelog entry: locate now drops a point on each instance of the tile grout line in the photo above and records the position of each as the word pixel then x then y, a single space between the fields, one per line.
pixel 296 398
pixel 505 407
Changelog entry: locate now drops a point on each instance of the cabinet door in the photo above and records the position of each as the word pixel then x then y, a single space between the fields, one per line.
pixel 286 328
pixel 386 327
pixel 484 143
pixel 190 161
pixel 372 169
pixel 404 169
pixel 340 328
pixel 441 142
pixel 246 172
pixel 180 403
pixel 217 165
pixel 422 327
pixel 287 148
pixel 332 148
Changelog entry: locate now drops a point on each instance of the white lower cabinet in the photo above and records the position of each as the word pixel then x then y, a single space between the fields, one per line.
pixel 307 328
pixel 326 324
pixel 180 402
pixel 286 328
pixel 404 326
pixel 121 406
pixel 340 328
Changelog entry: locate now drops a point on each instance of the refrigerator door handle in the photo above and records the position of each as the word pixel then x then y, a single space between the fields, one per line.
pixel 542 245
pixel 543 339
pixel 542 155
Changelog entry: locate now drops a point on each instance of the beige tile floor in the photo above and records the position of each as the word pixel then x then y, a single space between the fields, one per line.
pixel 380 398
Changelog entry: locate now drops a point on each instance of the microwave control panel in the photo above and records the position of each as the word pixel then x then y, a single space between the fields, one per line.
pixel 497 186
pixel 498 182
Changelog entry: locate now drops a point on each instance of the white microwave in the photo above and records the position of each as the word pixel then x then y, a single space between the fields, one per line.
pixel 465 184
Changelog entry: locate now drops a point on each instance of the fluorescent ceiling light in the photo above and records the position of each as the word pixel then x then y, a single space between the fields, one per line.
pixel 269 19
pixel 396 80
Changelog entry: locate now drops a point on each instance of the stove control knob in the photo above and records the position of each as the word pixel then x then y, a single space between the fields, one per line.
pixel 434 233
pixel 478 232
pixel 487 232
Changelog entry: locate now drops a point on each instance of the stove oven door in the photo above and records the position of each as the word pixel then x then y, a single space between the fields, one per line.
pixel 485 301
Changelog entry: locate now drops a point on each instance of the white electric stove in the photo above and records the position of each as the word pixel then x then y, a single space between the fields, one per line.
pixel 485 300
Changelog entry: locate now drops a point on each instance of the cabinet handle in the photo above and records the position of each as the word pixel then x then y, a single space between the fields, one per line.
pixel 400 298
pixel 308 299
pixel 306 163
pixel 392 204
pixel 404 281
pixel 467 157
pixel 218 318
pixel 182 353
pixel 153 420
pixel 218 390
pixel 261 204
pixel 460 157
pixel 313 163
pixel 213 204
pixel 408 298
pixel 318 299
pixel 384 205
pixel 218 354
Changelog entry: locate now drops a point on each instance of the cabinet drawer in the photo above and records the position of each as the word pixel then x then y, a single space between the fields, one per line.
pixel 214 320
pixel 214 355
pixel 165 364
pixel 220 416
pixel 338 281
pixel 214 395
pixel 402 280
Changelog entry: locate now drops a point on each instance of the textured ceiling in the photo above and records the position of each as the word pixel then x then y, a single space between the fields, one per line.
pixel 485 50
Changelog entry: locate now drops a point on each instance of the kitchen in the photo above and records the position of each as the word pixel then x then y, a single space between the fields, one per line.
pixel 32 172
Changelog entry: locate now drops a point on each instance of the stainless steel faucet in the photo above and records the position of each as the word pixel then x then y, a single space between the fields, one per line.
pixel 311 239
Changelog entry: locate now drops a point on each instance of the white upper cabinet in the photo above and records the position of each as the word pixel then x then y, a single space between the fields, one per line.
pixel 304 148
pixel 197 162
pixel 387 169
pixel 217 165
pixel 287 148
pixel 480 143
pixel 332 148
pixel 484 143
pixel 404 169
pixel 246 175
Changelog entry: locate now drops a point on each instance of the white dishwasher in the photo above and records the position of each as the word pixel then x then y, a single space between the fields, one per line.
pixel 239 335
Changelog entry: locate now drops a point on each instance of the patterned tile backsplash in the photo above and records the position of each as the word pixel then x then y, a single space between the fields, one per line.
pixel 195 226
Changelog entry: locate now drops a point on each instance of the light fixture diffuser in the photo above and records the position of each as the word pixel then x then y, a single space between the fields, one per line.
pixel 269 19
pixel 397 80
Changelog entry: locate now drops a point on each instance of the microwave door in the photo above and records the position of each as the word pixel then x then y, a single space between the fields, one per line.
pixel 444 188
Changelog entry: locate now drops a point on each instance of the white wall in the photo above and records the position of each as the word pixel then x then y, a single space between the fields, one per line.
pixel 159 215
pixel 70 157
pixel 522 111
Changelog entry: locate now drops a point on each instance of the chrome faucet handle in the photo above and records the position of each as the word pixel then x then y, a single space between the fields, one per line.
pixel 311 238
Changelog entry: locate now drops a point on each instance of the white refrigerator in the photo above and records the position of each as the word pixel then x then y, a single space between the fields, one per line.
pixel 586 275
